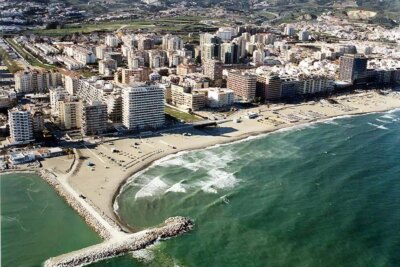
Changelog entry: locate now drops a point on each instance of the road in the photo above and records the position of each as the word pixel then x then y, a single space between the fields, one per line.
pixel 20 57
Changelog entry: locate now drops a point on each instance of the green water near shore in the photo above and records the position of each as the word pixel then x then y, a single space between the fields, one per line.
pixel 325 194
pixel 36 223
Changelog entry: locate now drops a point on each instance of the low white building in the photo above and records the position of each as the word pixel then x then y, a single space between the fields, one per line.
pixel 219 97
pixel 22 157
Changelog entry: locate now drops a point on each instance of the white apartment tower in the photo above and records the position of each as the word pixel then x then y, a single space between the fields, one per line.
pixel 23 82
pixel 111 41
pixel 171 42
pixel 143 106
pixel 21 126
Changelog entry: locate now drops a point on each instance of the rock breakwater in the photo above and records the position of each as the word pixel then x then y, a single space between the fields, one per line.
pixel 89 218
pixel 114 247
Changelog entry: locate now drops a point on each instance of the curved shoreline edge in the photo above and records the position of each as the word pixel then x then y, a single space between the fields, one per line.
pixel 111 226
pixel 241 138
pixel 117 223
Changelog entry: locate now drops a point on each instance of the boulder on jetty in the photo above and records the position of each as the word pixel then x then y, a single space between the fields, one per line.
pixel 173 226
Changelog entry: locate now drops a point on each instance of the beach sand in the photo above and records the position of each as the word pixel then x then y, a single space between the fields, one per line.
pixel 101 182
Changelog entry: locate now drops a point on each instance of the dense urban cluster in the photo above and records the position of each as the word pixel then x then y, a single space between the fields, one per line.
pixel 119 82
pixel 16 15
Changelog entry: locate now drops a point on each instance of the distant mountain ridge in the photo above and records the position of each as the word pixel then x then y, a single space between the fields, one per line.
pixel 379 5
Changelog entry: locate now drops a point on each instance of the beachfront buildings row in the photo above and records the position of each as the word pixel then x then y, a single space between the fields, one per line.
pixel 191 99
pixel 98 102
pixel 271 86
pixel 140 106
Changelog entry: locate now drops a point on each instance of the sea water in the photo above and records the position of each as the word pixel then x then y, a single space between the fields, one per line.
pixel 36 223
pixel 324 194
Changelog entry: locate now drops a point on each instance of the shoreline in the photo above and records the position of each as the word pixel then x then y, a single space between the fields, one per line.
pixel 242 138
pixel 93 191
pixel 96 191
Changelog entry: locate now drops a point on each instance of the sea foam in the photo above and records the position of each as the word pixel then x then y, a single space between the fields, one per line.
pixel 154 187
pixel 383 121
pixel 219 179
pixel 378 126
pixel 177 188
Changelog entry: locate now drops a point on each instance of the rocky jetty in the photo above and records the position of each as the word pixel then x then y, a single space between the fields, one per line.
pixel 77 206
pixel 118 246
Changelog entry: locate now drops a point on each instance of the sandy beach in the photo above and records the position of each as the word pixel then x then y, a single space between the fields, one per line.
pixel 116 160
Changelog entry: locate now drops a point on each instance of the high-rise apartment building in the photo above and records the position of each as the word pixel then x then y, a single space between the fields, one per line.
pixel 289 30
pixel 186 98
pixel 143 106
pixel 213 69
pixel 69 113
pixel 145 43
pixel 94 118
pixel 243 85
pixel 210 46
pixel 352 68
pixel 107 66
pixel 27 81
pixel 111 41
pixel 57 95
pixel 171 42
pixel 134 75
pixel 269 86
pixel 21 126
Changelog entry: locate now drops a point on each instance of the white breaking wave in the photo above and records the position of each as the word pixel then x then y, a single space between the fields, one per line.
pixel 393 110
pixel 204 159
pixel 219 180
pixel 332 121
pixel 154 187
pixel 209 159
pixel 143 255
pixel 390 117
pixel 177 188
pixel 378 126
pixel 383 121
pixel 182 162
pixel 387 116
pixel 116 206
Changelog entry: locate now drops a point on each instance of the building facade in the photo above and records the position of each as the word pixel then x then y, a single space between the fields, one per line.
pixel 21 126
pixel 94 118
pixel 143 107
pixel 352 68
pixel 243 85
pixel 69 113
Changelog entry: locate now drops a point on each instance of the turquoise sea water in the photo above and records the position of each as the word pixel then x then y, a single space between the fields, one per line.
pixel 325 194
